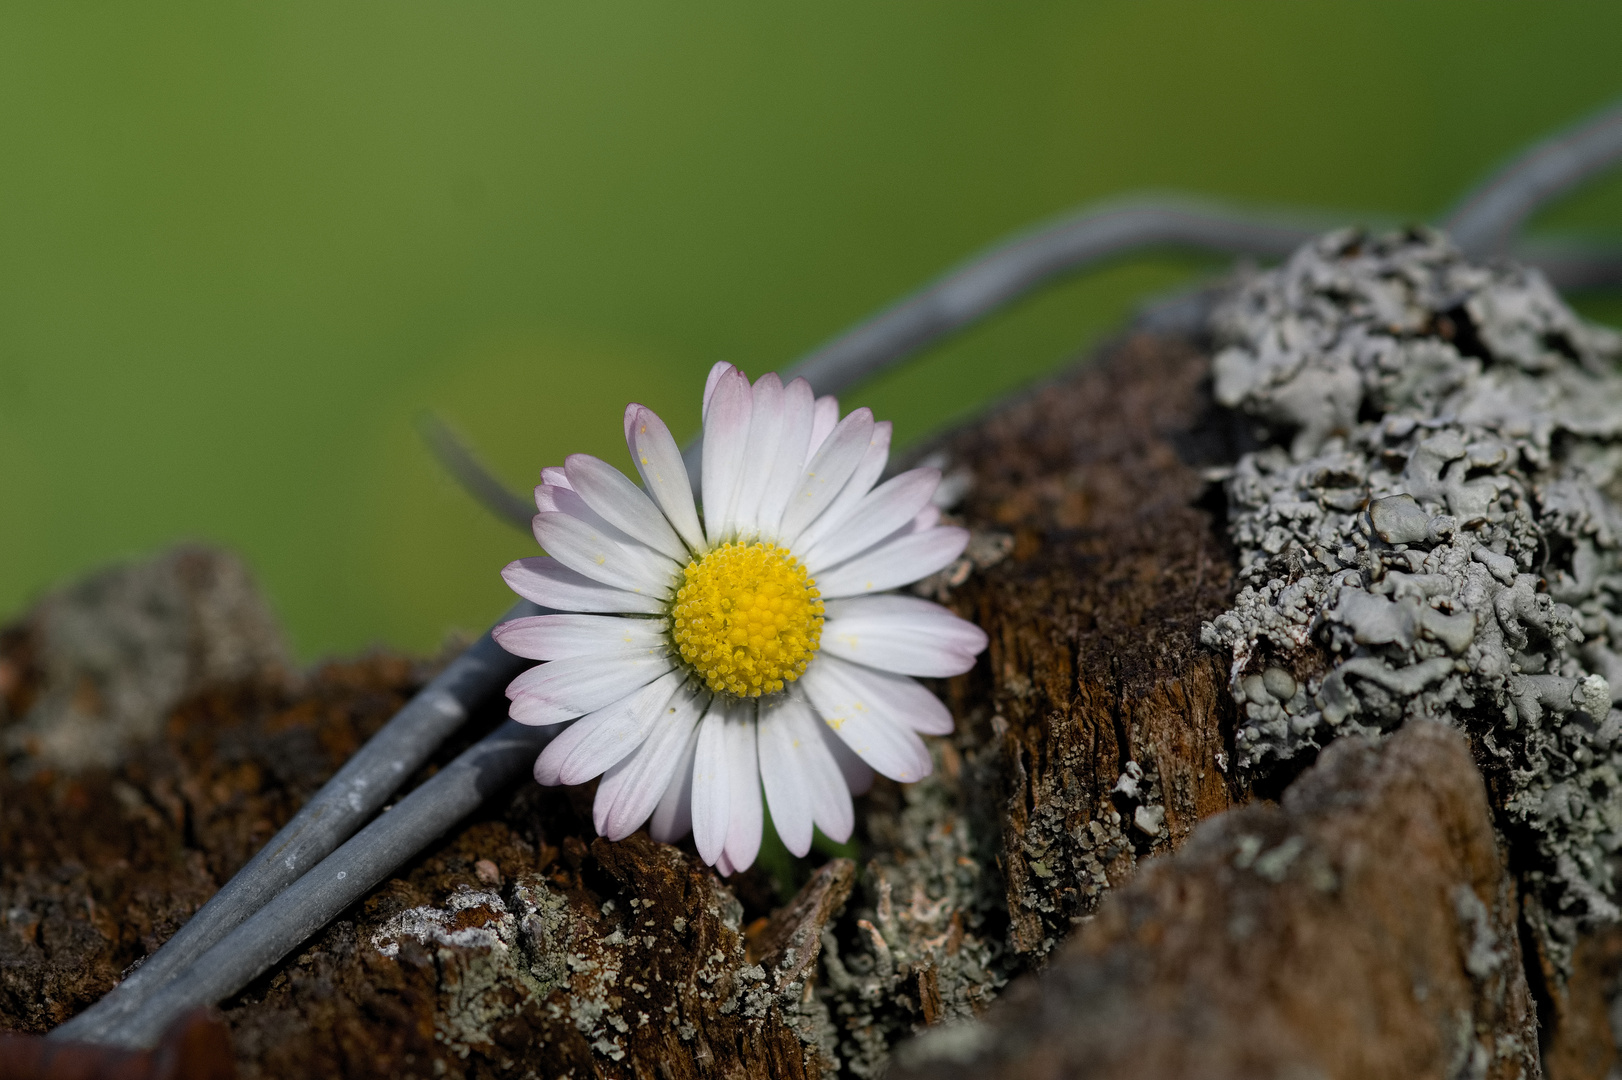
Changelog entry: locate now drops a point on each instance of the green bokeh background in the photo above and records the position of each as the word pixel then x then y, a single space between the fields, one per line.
pixel 243 246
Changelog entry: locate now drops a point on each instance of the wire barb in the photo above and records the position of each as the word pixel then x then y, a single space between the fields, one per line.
pixel 471 474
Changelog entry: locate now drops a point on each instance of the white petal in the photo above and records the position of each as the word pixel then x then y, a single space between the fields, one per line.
pixel 894 563
pixel 831 806
pixel 673 818
pixel 717 370
pixel 726 437
pixel 880 512
pixel 897 698
pixel 564 689
pixel 904 701
pixel 825 418
pixel 600 554
pixel 760 454
pixel 556 476
pixel 858 776
pixel 631 791
pixel 798 408
pixel 638 558
pixel 745 819
pixel 545 581
pixel 712 793
pixel 901 633
pixel 860 483
pixel 559 637
pixel 927 518
pixel 624 505
pixel 596 742
pixel 723 865
pixel 658 460
pixel 851 703
pixel 827 472
pixel 803 783
pixel 543 498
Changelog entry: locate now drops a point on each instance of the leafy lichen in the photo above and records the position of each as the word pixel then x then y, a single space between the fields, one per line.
pixel 1431 529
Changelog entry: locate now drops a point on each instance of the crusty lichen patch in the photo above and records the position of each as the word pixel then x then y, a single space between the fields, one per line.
pixel 1432 530
pixel 922 943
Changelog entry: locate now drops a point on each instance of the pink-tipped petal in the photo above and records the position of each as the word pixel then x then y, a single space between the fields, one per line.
pixel 624 505
pixel 894 563
pixel 825 417
pixel 545 581
pixel 881 512
pixel 827 473
pixel 798 408
pixel 726 439
pixel 533 712
pixel 856 488
pixel 718 370
pixel 563 689
pixel 765 432
pixel 636 558
pixel 658 461
pixel 559 637
pixel 593 744
pixel 927 518
pixel 599 554
pixel 630 791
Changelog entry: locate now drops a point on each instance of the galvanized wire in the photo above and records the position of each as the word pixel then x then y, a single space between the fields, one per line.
pixel 1489 217
pixel 332 815
pixel 341 879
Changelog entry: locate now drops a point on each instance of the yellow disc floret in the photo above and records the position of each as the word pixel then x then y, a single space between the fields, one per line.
pixel 747 618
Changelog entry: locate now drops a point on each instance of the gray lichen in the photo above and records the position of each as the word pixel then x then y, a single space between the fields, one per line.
pixel 1433 529
pixel 923 952
pixel 487 950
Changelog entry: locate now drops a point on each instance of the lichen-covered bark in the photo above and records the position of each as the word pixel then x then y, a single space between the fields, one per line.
pixel 1432 529
pixel 1366 928
pixel 1096 732
pixel 500 956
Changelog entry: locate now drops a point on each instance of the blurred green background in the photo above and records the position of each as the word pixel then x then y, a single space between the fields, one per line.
pixel 243 246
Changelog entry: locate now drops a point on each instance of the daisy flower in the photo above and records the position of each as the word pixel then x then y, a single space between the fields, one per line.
pixel 709 656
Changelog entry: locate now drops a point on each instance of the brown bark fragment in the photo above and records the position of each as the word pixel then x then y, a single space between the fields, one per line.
pixel 1580 1043
pixel 1097 673
pixel 1366 928
pixel 98 868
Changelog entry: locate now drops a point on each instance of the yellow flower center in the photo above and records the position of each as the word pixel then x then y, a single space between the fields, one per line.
pixel 747 618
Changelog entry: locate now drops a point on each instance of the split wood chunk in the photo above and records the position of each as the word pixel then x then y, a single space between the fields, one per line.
pixel 1365 927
